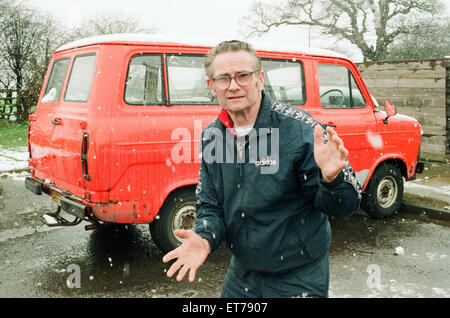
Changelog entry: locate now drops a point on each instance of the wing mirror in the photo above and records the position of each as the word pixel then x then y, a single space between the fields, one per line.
pixel 391 110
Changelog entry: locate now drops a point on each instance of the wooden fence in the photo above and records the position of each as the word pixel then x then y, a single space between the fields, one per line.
pixel 7 103
pixel 421 90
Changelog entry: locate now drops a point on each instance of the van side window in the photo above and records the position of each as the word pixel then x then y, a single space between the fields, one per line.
pixel 144 84
pixel 80 80
pixel 338 88
pixel 56 81
pixel 187 80
pixel 284 81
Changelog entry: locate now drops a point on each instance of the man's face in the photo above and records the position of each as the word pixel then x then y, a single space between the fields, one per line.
pixel 237 98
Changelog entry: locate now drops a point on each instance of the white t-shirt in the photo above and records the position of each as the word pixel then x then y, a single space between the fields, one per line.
pixel 244 130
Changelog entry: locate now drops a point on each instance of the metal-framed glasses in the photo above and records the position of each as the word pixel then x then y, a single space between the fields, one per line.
pixel 242 78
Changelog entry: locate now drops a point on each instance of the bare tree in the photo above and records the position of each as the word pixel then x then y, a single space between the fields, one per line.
pixel 371 25
pixel 17 43
pixel 107 24
pixel 26 44
pixel 28 39
pixel 427 40
pixel 6 78
pixel 5 6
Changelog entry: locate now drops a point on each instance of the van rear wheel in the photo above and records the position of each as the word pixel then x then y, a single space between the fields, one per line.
pixel 384 193
pixel 177 212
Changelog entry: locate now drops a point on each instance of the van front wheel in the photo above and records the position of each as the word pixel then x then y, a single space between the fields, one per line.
pixel 384 193
pixel 177 212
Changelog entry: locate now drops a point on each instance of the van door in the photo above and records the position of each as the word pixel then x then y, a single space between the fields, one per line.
pixel 61 160
pixel 344 107
pixel 41 130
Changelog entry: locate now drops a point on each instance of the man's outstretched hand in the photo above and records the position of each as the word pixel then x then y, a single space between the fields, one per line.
pixel 190 255
pixel 330 157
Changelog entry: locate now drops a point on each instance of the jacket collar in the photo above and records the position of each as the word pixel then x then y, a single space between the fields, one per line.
pixel 264 119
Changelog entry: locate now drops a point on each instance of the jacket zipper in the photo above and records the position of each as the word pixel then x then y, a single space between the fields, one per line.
pixel 240 146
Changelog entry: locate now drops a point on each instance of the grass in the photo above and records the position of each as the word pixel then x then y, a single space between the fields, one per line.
pixel 13 134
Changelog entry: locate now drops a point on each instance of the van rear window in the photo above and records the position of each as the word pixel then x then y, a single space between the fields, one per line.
pixel 187 80
pixel 284 81
pixel 144 84
pixel 56 81
pixel 80 80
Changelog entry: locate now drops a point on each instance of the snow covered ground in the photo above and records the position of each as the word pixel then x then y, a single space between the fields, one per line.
pixel 415 185
pixel 13 162
pixel 13 159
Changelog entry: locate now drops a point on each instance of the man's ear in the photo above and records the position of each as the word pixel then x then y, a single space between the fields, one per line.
pixel 261 80
pixel 211 88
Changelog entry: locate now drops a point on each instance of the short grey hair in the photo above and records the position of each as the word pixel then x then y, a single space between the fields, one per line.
pixel 229 46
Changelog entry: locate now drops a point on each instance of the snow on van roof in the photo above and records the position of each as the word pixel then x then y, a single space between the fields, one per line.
pixel 196 41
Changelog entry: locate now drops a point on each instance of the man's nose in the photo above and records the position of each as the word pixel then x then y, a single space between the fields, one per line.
pixel 233 84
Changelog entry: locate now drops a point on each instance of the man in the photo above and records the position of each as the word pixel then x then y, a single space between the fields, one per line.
pixel 275 222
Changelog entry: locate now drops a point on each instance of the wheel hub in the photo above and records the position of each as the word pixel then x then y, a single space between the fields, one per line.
pixel 387 192
pixel 184 219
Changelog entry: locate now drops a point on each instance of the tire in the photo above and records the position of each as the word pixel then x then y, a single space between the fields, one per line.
pixel 384 193
pixel 177 212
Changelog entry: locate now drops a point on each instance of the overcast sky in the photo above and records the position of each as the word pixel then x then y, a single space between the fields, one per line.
pixel 218 18
pixel 203 17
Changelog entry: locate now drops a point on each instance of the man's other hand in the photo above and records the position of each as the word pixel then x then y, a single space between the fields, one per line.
pixel 330 157
pixel 190 254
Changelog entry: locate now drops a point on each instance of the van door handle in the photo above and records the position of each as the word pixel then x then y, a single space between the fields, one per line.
pixel 84 152
pixel 57 121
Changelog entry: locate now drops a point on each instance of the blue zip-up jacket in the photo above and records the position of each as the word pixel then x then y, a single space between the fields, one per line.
pixel 263 193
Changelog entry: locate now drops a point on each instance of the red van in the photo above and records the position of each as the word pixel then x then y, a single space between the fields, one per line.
pixel 115 135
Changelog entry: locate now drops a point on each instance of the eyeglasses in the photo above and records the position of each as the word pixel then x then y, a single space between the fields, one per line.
pixel 242 78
